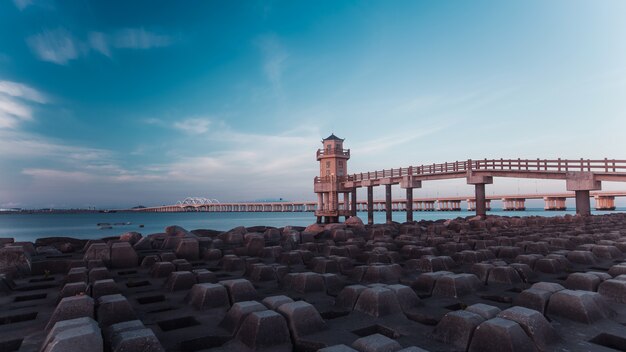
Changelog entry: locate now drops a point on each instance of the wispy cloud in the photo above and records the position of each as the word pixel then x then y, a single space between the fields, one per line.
pixel 139 38
pixel 382 145
pixel 100 43
pixel 59 46
pixel 22 4
pixel 20 90
pixel 274 57
pixel 28 145
pixel 193 125
pixel 15 103
pixel 51 174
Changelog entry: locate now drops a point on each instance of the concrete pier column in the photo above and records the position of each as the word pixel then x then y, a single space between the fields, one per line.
pixel 320 201
pixel 346 200
pixel 370 205
pixel 408 183
pixel 409 204
pixel 605 202
pixel 581 183
pixel 353 205
pixel 548 203
pixel 479 183
pixel 480 205
pixel 388 203
pixel 583 203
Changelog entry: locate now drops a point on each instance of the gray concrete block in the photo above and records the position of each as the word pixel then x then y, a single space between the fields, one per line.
pixel 206 295
pixel 180 280
pixel 501 335
pixel 302 318
pixel 377 302
pixel 237 313
pixel 534 324
pixel 456 328
pixel 71 308
pixel 273 302
pixel 239 290
pixel 114 309
pixel 74 336
pixel 376 343
pixel 123 255
pixel 265 330
pixel 580 306
pixel 136 340
pixel 484 310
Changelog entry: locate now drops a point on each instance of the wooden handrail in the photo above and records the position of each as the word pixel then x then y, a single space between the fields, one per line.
pixel 522 165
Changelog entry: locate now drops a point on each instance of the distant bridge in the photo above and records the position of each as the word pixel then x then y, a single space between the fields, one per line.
pixel 553 201
pixel 197 201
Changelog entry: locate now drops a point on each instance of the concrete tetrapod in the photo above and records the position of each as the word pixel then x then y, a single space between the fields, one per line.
pixel 71 308
pixel 114 309
pixel 376 343
pixel 207 295
pixel 237 313
pixel 302 318
pixel 265 330
pixel 74 335
pixel 456 328
pixel 581 306
pixel 500 335
pixel 378 301
pixel 534 324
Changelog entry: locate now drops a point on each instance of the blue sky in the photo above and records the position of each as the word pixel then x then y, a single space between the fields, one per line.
pixel 114 103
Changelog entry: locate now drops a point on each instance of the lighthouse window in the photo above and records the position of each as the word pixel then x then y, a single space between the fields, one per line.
pixel 340 164
pixel 327 164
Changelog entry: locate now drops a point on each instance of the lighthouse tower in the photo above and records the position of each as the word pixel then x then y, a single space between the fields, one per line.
pixel 330 183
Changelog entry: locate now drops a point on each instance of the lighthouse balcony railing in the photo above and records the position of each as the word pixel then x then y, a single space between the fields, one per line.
pixel 333 152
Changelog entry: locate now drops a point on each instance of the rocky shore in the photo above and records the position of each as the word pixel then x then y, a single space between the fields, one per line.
pixel 500 284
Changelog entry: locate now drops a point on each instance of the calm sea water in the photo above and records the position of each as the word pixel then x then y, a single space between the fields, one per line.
pixel 29 227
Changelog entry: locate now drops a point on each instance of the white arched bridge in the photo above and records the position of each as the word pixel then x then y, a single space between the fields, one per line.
pixel 197 201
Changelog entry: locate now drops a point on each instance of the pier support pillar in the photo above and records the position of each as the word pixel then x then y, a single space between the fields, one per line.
pixel 583 203
pixel 481 206
pixel 605 202
pixel 409 182
pixel 353 202
pixel 479 183
pixel 370 205
pixel 582 183
pixel 388 203
pixel 409 204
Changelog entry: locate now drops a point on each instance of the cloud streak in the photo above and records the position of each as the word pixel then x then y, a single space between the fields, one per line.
pixel 193 125
pixel 59 46
pixel 139 38
pixel 15 103
pixel 274 57
pixel 22 4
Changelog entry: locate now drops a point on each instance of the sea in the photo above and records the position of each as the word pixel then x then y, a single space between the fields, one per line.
pixel 29 227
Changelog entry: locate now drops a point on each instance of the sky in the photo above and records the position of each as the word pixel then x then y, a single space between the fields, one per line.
pixel 117 103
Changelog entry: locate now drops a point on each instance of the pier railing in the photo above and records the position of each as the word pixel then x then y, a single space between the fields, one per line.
pixel 519 165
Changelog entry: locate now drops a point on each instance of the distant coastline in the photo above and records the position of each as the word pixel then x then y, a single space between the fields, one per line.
pixel 54 211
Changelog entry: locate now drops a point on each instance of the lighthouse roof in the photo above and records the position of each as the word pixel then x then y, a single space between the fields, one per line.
pixel 332 137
